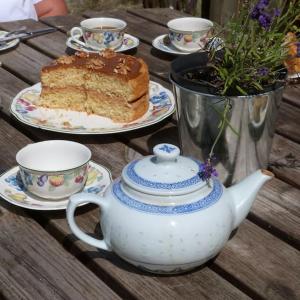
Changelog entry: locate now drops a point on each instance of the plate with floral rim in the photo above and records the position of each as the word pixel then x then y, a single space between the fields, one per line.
pixel 24 107
pixel 13 191
pixel 7 45
pixel 129 42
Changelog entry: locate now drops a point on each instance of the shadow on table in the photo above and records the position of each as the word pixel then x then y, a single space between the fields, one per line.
pixel 163 55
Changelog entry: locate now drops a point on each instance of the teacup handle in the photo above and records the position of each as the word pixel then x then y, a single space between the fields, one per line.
pixel 76 33
pixel 76 200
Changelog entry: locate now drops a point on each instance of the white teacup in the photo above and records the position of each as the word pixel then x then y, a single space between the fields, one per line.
pixel 189 34
pixel 54 169
pixel 100 33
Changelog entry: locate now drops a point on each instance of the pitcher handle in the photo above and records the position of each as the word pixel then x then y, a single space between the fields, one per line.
pixel 76 200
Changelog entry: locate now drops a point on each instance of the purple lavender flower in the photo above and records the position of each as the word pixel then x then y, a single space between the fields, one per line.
pixel 263 71
pixel 255 13
pixel 264 20
pixel 262 4
pixel 277 12
pixel 207 170
pixel 258 8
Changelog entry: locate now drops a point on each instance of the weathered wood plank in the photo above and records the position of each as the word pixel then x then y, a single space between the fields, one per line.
pixel 9 88
pixel 264 263
pixel 277 209
pixel 52 44
pixel 25 62
pixel 35 266
pixel 63 23
pixel 288 122
pixel 292 94
pixel 158 15
pixel 285 160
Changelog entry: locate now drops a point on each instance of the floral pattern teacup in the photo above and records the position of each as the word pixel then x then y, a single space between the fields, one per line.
pixel 54 169
pixel 100 33
pixel 189 34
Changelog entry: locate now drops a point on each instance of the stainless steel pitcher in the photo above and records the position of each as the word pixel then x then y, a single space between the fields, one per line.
pixel 237 156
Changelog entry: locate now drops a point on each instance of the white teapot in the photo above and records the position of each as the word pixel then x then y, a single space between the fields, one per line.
pixel 160 216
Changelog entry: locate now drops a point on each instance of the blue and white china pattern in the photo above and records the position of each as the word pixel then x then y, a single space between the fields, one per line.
pixel 13 190
pixel 132 175
pixel 167 148
pixel 201 204
pixel 162 231
pixel 25 108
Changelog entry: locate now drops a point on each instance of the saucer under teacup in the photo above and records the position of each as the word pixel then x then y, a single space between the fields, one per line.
pixel 164 44
pixel 12 188
pixel 129 42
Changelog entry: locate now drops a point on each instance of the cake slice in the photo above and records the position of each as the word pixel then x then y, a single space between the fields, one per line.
pixel 108 84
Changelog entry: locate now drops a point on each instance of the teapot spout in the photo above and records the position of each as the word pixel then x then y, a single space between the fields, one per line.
pixel 244 193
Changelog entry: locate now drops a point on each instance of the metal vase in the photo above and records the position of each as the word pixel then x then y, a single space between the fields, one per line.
pixel 236 155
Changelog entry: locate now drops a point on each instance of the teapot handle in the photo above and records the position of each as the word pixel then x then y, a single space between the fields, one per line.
pixel 76 200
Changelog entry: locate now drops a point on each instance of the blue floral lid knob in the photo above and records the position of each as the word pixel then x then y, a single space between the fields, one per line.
pixel 166 152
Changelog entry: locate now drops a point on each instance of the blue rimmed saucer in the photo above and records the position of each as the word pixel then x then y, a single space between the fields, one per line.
pixel 129 42
pixel 12 190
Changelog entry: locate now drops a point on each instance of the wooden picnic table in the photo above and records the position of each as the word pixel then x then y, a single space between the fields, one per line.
pixel 41 259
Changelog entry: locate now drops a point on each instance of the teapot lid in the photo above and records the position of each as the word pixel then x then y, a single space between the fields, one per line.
pixel 164 173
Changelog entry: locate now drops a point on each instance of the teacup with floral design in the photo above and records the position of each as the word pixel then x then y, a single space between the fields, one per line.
pixel 54 169
pixel 100 33
pixel 189 34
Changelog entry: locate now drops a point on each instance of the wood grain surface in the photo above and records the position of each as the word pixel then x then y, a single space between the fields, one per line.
pixel 261 260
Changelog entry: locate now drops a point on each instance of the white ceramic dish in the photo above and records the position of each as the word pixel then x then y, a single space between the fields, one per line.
pixel 7 45
pixel 163 43
pixel 12 189
pixel 24 108
pixel 129 42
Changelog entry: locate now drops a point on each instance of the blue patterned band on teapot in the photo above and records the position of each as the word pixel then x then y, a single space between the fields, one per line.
pixel 195 206
pixel 130 172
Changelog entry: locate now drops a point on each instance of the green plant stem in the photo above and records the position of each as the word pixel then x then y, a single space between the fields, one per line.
pixel 222 126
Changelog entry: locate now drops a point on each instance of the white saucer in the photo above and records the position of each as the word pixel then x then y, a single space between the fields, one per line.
pixel 129 42
pixel 9 44
pixel 12 190
pixel 163 43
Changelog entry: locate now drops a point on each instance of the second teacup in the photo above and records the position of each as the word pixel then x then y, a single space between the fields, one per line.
pixel 100 33
pixel 54 169
pixel 189 34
